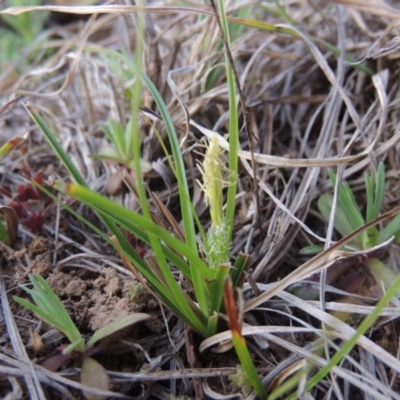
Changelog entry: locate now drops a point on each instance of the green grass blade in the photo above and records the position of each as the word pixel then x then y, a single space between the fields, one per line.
pixel 392 229
pixel 349 205
pixel 69 165
pixel 379 189
pixel 283 13
pixel 368 321
pixel 233 132
pixel 370 190
pixel 118 135
pixel 129 252
pixel 45 316
pixel 342 223
pixel 106 128
pixel 173 138
pixel 242 263
pixel 127 219
pixel 353 215
pixel 217 292
pixel 130 220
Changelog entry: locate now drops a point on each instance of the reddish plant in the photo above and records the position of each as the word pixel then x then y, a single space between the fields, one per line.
pixel 29 202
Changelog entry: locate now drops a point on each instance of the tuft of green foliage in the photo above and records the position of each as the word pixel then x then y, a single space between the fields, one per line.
pixel 48 307
pixel 349 217
pixel 19 30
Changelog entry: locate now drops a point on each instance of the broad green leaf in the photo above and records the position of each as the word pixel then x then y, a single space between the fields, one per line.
pixel 94 376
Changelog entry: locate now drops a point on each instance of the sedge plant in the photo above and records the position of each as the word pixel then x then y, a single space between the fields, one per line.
pixel 171 253
pixel 47 306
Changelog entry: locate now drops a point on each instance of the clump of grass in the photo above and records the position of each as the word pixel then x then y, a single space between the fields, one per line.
pixel 205 276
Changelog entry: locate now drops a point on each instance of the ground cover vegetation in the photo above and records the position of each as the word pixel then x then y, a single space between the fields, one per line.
pixel 199 199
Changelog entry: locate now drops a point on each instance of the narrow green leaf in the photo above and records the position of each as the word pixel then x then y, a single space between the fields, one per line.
pixel 49 308
pixel 107 131
pixel 311 250
pixel 39 312
pixel 370 189
pixel 116 326
pixel 242 263
pixel 117 131
pixel 392 229
pixel 69 165
pixel 379 189
pixel 217 292
pixel 342 223
pixel 185 202
pixel 233 132
pixel 368 321
pixel 349 205
pixel 125 249
pixel 129 220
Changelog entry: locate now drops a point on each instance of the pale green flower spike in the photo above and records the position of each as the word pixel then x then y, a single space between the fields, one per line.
pixel 213 171
pixel 214 174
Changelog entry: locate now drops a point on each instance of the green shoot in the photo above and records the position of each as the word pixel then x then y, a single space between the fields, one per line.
pixel 349 217
pixel 49 308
